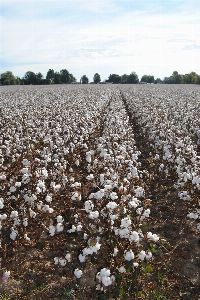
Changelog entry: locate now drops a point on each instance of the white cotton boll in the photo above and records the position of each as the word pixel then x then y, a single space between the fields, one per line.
pixel 94 214
pixel 59 227
pixel 82 258
pixel 85 236
pixel 71 170
pixel 1 203
pixel 78 273
pixel 79 227
pixel 57 187
pixel 25 162
pixel 106 280
pixel 108 187
pixel 126 222
pixel 14 214
pixel 134 236
pixel 56 260
pixel 52 230
pixel 3 177
pixel 25 222
pixel 73 229
pixel 87 251
pixel 129 255
pixel 142 255
pixel 113 196
pixel 149 255
pixel 68 257
pixel 39 205
pixel 111 205
pixel 90 177
pixel 105 272
pixel 101 178
pixel 13 234
pixel 135 265
pixel 88 206
pixel 32 214
pixel 152 237
pixel 98 287
pixel 192 216
pixel 75 196
pixel 16 222
pixel 113 217
pixel 146 213
pixel 60 219
pixel 24 170
pixel 77 162
pixel 115 251
pixel 198 226
pixel 6 275
pixel 62 262
pixel 122 269
pixel 3 217
pixel 12 189
pixel 26 237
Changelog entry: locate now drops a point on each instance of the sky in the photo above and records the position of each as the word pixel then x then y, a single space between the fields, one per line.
pixel 151 37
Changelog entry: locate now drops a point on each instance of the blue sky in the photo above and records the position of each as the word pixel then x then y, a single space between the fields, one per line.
pixel 153 37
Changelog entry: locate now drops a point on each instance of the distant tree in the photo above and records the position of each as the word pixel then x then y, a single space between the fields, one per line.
pixel 50 75
pixel 124 78
pixel 8 78
pixel 30 78
pixel 158 80
pixel 72 78
pixel 114 78
pixel 148 78
pixel 84 79
pixel 57 78
pixel 133 78
pixel 38 78
pixel 65 76
pixel 96 78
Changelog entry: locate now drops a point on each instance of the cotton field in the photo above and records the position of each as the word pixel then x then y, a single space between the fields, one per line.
pixel 75 195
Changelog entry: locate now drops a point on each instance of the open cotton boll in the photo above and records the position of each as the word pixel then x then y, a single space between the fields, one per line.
pixel 25 222
pixel 62 262
pixel 1 203
pixel 149 255
pixel 26 237
pixel 125 222
pixel 3 216
pixel 13 234
pixel 59 227
pixel 82 258
pixel 56 260
pixel 88 206
pixel 134 236
pixel 112 205
pixel 14 214
pixel 152 237
pixel 94 214
pixel 78 273
pixel 52 230
pixel 142 255
pixel 48 198
pixel 90 177
pixel 6 275
pixel 68 257
pixel 122 269
pixel 115 251
pixel 192 216
pixel 60 219
pixel 129 255
pixel 198 226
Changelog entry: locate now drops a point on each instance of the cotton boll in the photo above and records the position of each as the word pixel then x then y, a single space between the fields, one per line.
pixel 78 273
pixel 134 236
pixel 60 219
pixel 13 234
pixel 59 227
pixel 89 206
pixel 62 262
pixel 82 258
pixel 152 237
pixel 198 226
pixel 1 203
pixel 6 275
pixel 94 214
pixel 25 222
pixel 149 255
pixel 142 255
pixel 68 257
pixel 193 216
pixel 52 230
pixel 79 227
pixel 14 214
pixel 56 260
pixel 48 198
pixel 129 255
pixel 115 251
pixel 122 269
pixel 26 237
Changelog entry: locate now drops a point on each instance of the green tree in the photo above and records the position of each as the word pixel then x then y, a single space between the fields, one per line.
pixel 96 78
pixel 38 78
pixel 72 78
pixel 8 78
pixel 158 80
pixel 133 78
pixel 30 78
pixel 84 79
pixel 124 78
pixel 114 78
pixel 57 78
pixel 65 76
pixel 148 78
pixel 50 75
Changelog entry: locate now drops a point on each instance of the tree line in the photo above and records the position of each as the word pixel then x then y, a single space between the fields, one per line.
pixel 65 77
